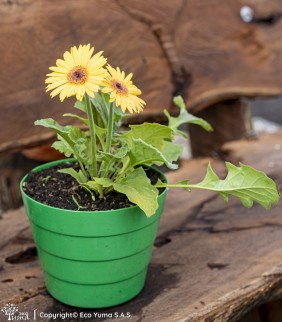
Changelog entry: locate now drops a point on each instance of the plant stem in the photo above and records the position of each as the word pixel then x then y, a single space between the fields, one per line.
pixel 76 202
pixel 76 155
pixel 123 171
pixel 167 185
pixel 82 168
pixel 105 166
pixel 197 186
pixel 125 166
pixel 110 128
pixel 95 116
pixel 93 148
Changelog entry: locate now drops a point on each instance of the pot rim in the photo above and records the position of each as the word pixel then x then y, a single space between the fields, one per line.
pixel 50 164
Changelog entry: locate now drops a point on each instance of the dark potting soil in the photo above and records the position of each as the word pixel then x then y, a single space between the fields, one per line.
pixel 59 190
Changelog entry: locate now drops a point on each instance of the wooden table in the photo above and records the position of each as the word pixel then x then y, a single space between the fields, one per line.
pixel 212 261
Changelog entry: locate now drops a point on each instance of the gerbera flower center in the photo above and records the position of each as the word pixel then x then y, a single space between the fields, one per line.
pixel 119 87
pixel 78 75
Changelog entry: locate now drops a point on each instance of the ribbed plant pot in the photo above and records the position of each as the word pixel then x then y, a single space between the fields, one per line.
pixel 92 259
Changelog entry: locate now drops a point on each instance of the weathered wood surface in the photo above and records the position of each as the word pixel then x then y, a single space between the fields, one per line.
pixel 212 261
pixel 230 123
pixel 199 49
pixel 13 167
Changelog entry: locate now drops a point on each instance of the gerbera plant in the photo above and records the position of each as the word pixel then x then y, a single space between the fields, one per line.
pixel 113 159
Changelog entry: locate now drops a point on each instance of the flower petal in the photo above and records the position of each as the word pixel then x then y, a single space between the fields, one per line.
pixel 87 73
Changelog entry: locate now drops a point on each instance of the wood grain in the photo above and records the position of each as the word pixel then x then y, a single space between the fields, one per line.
pixel 172 47
pixel 229 123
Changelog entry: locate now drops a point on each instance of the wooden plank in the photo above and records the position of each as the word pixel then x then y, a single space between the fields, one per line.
pixel 230 58
pixel 20 274
pixel 14 222
pixel 215 262
pixel 216 59
pixel 177 47
pixel 229 122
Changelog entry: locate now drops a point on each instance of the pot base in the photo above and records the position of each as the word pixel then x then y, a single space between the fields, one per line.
pixel 95 296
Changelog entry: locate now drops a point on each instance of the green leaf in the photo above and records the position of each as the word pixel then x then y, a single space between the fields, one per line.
pixel 101 132
pixel 144 153
pixel 97 185
pixel 119 115
pixel 52 124
pixel 184 117
pixel 99 104
pixel 152 133
pixel 94 186
pixel 76 134
pixel 63 135
pixel 172 151
pixel 139 190
pixel 80 105
pixel 105 182
pixel 117 155
pixel 78 176
pixel 243 182
pixel 158 136
pixel 63 147
pixel 85 121
pixel 71 135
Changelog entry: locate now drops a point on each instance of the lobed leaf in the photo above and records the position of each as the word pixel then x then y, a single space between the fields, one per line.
pixel 185 117
pixel 63 147
pixel 243 182
pixel 71 137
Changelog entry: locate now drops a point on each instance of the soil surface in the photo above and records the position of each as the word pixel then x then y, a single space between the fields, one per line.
pixel 60 190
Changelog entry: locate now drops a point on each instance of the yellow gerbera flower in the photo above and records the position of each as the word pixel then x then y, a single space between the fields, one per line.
pixel 77 73
pixel 122 91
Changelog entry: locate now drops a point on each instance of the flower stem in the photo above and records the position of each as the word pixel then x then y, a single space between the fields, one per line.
pixel 110 128
pixel 93 148
pixel 104 166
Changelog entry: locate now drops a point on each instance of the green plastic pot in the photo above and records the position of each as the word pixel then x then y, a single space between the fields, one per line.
pixel 92 259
